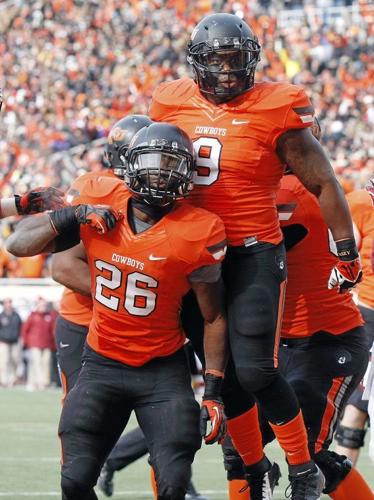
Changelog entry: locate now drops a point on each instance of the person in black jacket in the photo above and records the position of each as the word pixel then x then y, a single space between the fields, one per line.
pixel 10 330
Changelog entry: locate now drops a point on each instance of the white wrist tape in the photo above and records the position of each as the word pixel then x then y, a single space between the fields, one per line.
pixel 8 207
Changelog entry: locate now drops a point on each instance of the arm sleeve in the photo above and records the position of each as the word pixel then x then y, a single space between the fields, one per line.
pixel 213 248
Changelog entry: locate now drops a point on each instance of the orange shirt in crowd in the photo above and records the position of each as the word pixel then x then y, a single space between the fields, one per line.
pixel 310 306
pixel 362 212
pixel 238 170
pixel 31 267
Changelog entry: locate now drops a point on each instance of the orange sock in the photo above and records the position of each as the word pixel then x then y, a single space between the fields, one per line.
pixel 293 439
pixel 238 490
pixel 246 435
pixel 353 486
pixel 153 483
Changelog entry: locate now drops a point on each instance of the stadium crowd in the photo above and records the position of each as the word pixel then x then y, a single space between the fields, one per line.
pixel 71 69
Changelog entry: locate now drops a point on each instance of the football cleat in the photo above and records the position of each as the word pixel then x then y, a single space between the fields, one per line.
pixel 192 494
pixel 263 482
pixel 306 484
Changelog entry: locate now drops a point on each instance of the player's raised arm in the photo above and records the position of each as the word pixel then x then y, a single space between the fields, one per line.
pixel 59 230
pixel 70 268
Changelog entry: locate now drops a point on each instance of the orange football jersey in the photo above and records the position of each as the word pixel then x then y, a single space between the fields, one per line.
pixel 309 305
pixel 139 279
pixel 74 306
pixel 238 171
pixel 363 216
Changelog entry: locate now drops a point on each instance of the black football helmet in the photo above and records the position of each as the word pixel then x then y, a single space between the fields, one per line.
pixel 224 53
pixel 119 139
pixel 160 164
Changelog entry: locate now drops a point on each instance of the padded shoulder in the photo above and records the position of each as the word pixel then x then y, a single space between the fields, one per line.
pixel 93 186
pixel 170 95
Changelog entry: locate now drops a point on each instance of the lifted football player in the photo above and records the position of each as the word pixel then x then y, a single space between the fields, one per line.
pixel 244 133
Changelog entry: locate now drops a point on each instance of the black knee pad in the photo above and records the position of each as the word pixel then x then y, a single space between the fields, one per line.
pixel 255 378
pixel 72 490
pixel 80 474
pixel 334 467
pixel 232 461
pixel 349 437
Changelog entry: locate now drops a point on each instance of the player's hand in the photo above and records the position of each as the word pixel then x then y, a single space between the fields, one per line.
pixel 345 275
pixel 212 416
pixel 212 421
pixel 348 271
pixel 102 218
pixel 39 200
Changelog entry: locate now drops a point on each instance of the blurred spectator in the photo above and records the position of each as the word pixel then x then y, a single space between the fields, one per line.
pixel 71 69
pixel 10 330
pixel 38 339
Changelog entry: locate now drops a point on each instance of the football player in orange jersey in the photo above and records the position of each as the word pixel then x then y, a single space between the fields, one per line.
pixel 134 360
pixel 323 351
pixel 70 267
pixel 244 132
pixel 352 428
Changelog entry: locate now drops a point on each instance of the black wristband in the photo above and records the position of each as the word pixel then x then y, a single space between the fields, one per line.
pixel 17 200
pixel 64 219
pixel 213 385
pixel 347 249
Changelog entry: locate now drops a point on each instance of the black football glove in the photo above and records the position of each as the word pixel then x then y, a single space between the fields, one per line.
pixel 102 218
pixel 38 200
pixel 212 411
pixel 348 271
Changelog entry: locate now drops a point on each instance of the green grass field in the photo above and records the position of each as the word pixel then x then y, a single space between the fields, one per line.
pixel 29 455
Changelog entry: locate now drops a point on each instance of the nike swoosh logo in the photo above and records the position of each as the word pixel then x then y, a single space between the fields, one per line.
pixel 62 345
pixel 239 122
pixel 153 257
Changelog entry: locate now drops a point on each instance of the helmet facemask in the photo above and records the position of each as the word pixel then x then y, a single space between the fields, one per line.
pixel 159 176
pixel 226 67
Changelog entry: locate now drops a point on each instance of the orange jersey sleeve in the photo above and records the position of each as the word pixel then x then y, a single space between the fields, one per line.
pixel 237 168
pixel 362 212
pixel 76 307
pixel 309 305
pixel 138 280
